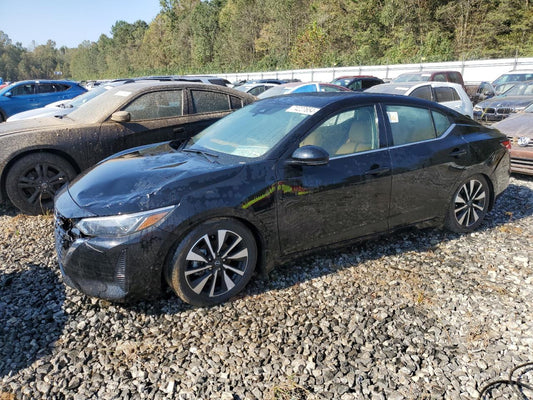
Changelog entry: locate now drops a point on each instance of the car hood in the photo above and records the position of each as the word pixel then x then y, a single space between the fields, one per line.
pixel 517 125
pixel 146 178
pixel 33 124
pixel 516 101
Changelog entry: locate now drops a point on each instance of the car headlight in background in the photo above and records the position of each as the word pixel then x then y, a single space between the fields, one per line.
pixel 121 225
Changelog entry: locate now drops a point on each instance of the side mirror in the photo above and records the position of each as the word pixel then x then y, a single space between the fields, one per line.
pixel 121 116
pixel 309 155
pixel 8 94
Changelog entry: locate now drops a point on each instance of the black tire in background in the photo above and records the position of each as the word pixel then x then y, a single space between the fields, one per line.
pixel 213 262
pixel 33 181
pixel 469 205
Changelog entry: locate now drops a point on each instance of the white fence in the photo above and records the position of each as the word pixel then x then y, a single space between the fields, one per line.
pixel 472 71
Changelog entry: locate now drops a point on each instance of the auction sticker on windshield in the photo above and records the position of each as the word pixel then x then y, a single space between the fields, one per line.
pixel 303 110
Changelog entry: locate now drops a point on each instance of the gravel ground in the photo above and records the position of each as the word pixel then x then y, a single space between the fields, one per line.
pixel 417 315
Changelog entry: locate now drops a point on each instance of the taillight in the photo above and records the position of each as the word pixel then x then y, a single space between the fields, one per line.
pixel 506 143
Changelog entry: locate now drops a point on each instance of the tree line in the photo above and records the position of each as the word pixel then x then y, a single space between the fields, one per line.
pixel 217 36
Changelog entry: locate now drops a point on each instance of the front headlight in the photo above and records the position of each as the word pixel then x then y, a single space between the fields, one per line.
pixel 121 225
pixel 477 108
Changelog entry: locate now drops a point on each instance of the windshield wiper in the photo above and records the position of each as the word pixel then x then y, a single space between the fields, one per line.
pixel 204 153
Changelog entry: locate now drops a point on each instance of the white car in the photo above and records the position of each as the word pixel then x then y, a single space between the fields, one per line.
pixel 255 88
pixel 451 95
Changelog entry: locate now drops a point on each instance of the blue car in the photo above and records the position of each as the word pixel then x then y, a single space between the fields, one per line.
pixel 27 95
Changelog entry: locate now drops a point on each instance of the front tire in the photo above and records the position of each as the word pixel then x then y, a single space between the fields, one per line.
pixel 213 262
pixel 33 181
pixel 469 205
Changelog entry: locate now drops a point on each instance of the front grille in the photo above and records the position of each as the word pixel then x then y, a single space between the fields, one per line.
pixel 522 162
pixel 504 110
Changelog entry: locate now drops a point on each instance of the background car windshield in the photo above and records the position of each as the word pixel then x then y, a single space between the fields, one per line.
pixel 253 130
pixel 412 78
pixel 523 89
pixel 104 104
pixel 85 97
pixel 275 91
pixel 7 88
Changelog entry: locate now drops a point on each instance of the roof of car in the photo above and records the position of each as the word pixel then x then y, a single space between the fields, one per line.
pixel 323 99
pixel 118 94
pixel 45 81
pixel 356 77
pixel 403 87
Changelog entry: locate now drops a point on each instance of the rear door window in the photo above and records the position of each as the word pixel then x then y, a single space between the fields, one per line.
pixel 236 103
pixel 443 94
pixel 205 101
pixel 422 92
pixel 52 87
pixel 440 78
pixel 410 124
pixel 441 121
pixel 455 77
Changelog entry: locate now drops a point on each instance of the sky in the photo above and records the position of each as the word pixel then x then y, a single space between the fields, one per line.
pixel 69 22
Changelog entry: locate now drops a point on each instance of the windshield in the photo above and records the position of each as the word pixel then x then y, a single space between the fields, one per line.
pixel 342 81
pixel 85 97
pixel 389 88
pixel 529 109
pixel 505 78
pixel 275 91
pixel 103 105
pixel 7 88
pixel 253 130
pixel 521 89
pixel 413 78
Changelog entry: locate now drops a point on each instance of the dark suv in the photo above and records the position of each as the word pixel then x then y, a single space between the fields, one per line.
pixel 357 83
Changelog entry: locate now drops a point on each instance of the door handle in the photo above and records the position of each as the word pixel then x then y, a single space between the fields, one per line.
pixel 377 170
pixel 458 152
pixel 179 129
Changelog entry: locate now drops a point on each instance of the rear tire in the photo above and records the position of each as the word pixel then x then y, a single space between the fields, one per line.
pixel 213 262
pixel 469 205
pixel 33 181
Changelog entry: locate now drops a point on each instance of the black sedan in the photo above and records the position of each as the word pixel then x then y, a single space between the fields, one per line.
pixel 40 155
pixel 278 178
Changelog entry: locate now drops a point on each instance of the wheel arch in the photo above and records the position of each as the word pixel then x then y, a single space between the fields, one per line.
pixel 21 155
pixel 492 194
pixel 265 259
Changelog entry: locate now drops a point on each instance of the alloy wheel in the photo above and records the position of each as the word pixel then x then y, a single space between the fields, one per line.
pixel 41 183
pixel 470 203
pixel 216 263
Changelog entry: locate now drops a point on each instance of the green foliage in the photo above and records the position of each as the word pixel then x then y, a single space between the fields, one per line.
pixel 210 36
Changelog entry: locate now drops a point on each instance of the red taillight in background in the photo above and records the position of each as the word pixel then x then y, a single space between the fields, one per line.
pixel 506 143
